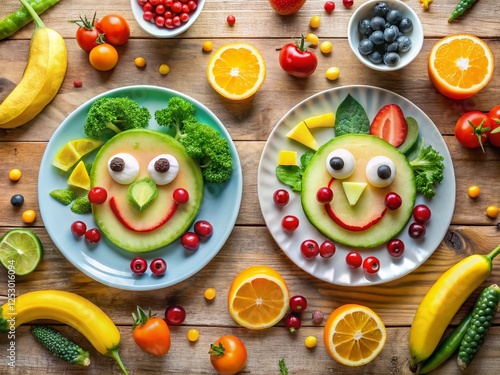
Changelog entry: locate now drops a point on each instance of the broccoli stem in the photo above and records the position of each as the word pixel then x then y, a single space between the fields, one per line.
pixel 113 127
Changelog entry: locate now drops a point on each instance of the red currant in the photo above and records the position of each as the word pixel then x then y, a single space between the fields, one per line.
pixel 97 195
pixel 78 228
pixel 290 223
pixel 93 236
pixel 281 197
pixel 393 201
pixel 354 260
pixel 396 247
pixel 203 228
pixel 324 195
pixel 416 230
pixel 348 3
pixel 231 20
pixel 175 315
pixel 292 322
pixel 158 266
pixel 176 7
pixel 180 195
pixel 327 249
pixel 421 213
pixel 329 6
pixel 298 303
pixel 138 265
pixel 309 249
pixel 371 265
pixel 190 241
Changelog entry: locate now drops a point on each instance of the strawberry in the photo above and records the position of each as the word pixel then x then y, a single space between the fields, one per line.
pixel 286 7
pixel 390 125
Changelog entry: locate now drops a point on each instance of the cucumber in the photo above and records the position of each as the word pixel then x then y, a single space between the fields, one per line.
pixel 142 193
pixel 411 137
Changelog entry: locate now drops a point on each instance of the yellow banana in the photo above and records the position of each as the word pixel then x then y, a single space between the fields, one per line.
pixel 68 308
pixel 443 300
pixel 42 77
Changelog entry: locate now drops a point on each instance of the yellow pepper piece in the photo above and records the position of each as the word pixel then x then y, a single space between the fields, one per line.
pixel 302 134
pixel 287 157
pixel 326 120
pixel 425 4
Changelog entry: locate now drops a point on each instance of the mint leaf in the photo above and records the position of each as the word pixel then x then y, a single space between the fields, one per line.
pixel 351 118
pixel 291 175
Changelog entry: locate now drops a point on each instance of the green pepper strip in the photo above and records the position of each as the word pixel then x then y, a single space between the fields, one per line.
pixel 15 21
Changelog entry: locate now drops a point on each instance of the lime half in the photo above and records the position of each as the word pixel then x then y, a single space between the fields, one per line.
pixel 20 251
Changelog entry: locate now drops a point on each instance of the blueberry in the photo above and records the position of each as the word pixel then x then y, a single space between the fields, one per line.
pixel 375 57
pixel 405 25
pixel 365 47
pixel 391 47
pixel 17 200
pixel 391 58
pixel 364 27
pixel 377 38
pixel 404 43
pixel 377 23
pixel 390 35
pixel 394 17
pixel 380 9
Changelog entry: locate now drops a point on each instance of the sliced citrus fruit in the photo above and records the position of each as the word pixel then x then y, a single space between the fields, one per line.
pixel 73 151
pixel 354 335
pixel 258 298
pixel 20 251
pixel 460 65
pixel 79 178
pixel 236 71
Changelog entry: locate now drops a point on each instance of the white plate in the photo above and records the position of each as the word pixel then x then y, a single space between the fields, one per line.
pixel 105 262
pixel 334 270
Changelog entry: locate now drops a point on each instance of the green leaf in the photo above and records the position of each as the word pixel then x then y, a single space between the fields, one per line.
pixel 351 118
pixel 291 175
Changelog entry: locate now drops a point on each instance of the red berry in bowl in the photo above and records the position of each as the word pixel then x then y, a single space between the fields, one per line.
pixel 78 228
pixel 298 303
pixel 93 236
pixel 421 213
pixel 290 223
pixel 281 197
pixel 393 201
pixel 396 247
pixel 138 265
pixel 324 195
pixel 175 315
pixel 158 266
pixel 190 241
pixel 203 228
pixel 354 260
pixel 416 230
pixel 97 195
pixel 309 249
pixel 371 265
pixel 327 249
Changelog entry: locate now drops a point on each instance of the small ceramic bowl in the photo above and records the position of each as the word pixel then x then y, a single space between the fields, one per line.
pixel 162 32
pixel 364 12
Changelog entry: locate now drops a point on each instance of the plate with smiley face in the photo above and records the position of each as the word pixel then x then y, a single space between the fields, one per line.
pixel 367 228
pixel 108 263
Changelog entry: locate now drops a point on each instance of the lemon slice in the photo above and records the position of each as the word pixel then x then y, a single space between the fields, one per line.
pixel 20 251
pixel 79 178
pixel 73 151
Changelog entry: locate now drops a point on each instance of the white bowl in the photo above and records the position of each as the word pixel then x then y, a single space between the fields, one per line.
pixel 416 34
pixel 163 32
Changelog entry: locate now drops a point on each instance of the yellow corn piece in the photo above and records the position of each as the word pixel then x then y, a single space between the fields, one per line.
pixel 425 4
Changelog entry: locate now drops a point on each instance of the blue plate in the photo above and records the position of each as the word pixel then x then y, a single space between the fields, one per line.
pixel 105 262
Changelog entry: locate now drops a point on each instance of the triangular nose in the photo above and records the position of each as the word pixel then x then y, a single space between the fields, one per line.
pixel 353 191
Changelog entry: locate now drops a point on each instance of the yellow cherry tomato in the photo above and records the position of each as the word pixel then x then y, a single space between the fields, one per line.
pixel 492 211
pixel 207 46
pixel 332 73
pixel 103 57
pixel 315 22
pixel 28 216
pixel 474 191
pixel 310 341
pixel 193 334
pixel 326 47
pixel 15 174
pixel 164 69
pixel 312 38
pixel 140 62
pixel 210 293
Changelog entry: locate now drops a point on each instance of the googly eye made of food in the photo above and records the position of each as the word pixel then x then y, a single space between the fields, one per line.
pixel 123 168
pixel 163 169
pixel 340 163
pixel 380 171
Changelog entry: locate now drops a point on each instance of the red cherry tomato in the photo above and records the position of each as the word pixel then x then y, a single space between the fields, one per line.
pixel 228 355
pixel 115 28
pixel 472 129
pixel 87 36
pixel 494 116
pixel 297 60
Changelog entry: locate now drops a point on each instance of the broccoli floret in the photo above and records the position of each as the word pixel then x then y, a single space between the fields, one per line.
pixel 203 143
pixel 110 116
pixel 81 205
pixel 428 168
pixel 64 196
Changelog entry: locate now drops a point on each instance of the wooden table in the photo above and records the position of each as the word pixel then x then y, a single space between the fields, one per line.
pixel 249 123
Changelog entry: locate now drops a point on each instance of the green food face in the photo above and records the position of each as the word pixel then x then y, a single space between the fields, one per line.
pixel 358 217
pixel 145 217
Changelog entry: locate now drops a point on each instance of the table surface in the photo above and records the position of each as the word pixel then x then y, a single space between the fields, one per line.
pixel 249 123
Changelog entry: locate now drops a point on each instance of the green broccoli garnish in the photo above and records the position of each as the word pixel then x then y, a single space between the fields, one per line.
pixel 110 116
pixel 428 168
pixel 64 196
pixel 81 205
pixel 203 143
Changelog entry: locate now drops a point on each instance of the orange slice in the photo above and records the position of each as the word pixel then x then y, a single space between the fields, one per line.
pixel 236 71
pixel 460 65
pixel 354 335
pixel 258 298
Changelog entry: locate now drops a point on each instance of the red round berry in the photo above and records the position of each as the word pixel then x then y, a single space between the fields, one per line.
pixel 421 213
pixel 138 265
pixel 329 6
pixel 393 201
pixel 203 228
pixel 290 223
pixel 298 303
pixel 180 195
pixel 324 195
pixel 158 266
pixel 327 249
pixel 396 247
pixel 190 241
pixel 78 228
pixel 348 3
pixel 371 265
pixel 231 20
pixel 93 236
pixel 281 197
pixel 416 230
pixel 175 315
pixel 309 249
pixel 97 195
pixel 354 260
pixel 292 322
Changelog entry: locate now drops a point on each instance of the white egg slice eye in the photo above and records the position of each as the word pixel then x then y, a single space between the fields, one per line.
pixel 163 169
pixel 380 171
pixel 123 168
pixel 340 163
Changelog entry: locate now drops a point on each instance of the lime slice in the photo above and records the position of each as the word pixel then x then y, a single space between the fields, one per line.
pixel 21 251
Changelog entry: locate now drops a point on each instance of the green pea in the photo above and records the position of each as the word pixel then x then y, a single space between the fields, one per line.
pixel 461 7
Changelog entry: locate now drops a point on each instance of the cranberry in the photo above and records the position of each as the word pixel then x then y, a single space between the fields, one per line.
pixel 327 249
pixel 158 266
pixel 175 315
pixel 329 6
pixel 396 247
pixel 176 7
pixel 78 228
pixel 393 201
pixel 309 249
pixel 371 265
pixel 298 303
pixel 180 195
pixel 324 195
pixel 281 197
pixel 138 265
pixel 354 260
pixel 290 223
pixel 348 3
pixel 292 322
pixel 93 236
pixel 190 241
pixel 203 228
pixel 421 213
pixel 416 230
pixel 97 195
pixel 231 20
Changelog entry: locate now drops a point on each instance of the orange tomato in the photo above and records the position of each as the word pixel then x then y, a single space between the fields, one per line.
pixel 151 333
pixel 228 355
pixel 103 57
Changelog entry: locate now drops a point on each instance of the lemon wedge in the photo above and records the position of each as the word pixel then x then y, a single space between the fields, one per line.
pixel 73 151
pixel 79 178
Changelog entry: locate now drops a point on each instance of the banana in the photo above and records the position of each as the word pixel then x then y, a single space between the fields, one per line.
pixel 42 78
pixel 443 300
pixel 68 308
